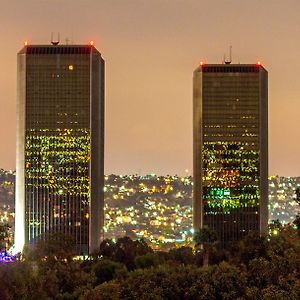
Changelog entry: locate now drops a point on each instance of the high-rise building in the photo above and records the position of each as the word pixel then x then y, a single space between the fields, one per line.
pixel 230 149
pixel 60 144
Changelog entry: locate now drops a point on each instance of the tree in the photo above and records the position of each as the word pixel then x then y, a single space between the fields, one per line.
pixel 274 292
pixel 124 250
pixel 229 282
pixel 105 291
pixel 147 261
pixel 298 194
pixel 5 237
pixel 251 246
pixel 65 279
pixel 107 249
pixel 153 283
pixel 182 255
pixel 20 281
pixel 297 220
pixel 53 247
pixel 106 270
pixel 286 239
pixel 205 238
pixel 259 272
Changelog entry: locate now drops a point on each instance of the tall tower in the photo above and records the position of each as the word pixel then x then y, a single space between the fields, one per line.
pixel 60 144
pixel 230 149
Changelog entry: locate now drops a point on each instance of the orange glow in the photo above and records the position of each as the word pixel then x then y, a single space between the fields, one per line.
pixel 259 63
pixel 201 63
pixel 25 43
pixel 92 43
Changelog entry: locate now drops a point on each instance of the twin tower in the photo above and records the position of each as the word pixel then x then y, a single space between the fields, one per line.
pixel 60 147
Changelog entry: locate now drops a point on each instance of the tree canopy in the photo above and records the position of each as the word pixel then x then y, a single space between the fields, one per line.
pixel 256 268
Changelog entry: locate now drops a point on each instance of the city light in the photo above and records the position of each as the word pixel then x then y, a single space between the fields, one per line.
pixel 159 208
pixel 6 257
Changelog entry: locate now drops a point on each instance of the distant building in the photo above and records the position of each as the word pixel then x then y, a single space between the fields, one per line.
pixel 60 144
pixel 231 149
pixel 283 204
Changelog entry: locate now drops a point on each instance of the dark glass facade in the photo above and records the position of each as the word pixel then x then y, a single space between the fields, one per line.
pixel 230 150
pixel 60 144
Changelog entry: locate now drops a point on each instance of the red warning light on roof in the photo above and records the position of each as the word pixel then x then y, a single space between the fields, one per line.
pixel 25 43
pixel 258 63
pixel 201 63
pixel 92 43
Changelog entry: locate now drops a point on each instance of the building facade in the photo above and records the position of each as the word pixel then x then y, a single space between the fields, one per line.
pixel 60 145
pixel 230 149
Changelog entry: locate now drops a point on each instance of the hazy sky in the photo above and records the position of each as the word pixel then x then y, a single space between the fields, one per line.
pixel 151 48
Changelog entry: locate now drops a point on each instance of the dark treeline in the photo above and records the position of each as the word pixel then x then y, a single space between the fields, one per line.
pixel 256 268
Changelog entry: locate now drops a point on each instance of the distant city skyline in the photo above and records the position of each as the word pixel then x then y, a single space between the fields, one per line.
pixel 151 49
pixel 152 199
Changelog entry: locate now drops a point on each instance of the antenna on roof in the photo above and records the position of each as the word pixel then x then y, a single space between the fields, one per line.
pixel 53 42
pixel 228 62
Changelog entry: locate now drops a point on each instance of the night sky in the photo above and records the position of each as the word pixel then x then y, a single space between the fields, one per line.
pixel 151 48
